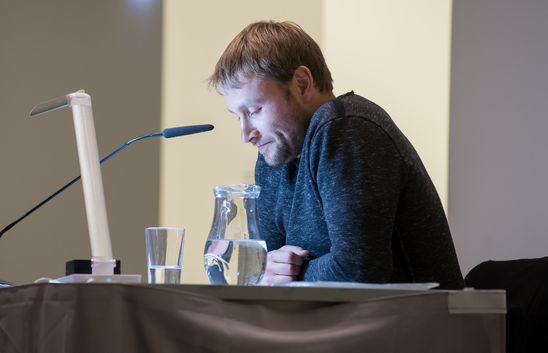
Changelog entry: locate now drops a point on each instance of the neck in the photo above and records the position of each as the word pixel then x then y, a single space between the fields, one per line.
pixel 320 99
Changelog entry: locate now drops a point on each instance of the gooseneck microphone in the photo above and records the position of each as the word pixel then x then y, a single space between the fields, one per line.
pixel 166 133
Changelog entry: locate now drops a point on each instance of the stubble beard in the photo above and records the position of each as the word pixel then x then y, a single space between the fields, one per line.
pixel 288 145
pixel 284 152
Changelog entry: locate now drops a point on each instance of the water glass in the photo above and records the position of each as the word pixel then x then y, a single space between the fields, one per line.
pixel 164 248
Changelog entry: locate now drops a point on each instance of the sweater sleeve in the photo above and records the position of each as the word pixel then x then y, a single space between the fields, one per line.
pixel 358 173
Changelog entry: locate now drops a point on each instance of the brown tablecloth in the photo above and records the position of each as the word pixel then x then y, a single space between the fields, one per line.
pixel 58 318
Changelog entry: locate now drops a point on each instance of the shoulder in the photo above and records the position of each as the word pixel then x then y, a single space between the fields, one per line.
pixel 346 112
pixel 348 104
pixel 349 118
pixel 353 119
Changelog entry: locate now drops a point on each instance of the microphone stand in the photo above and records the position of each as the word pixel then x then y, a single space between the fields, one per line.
pixel 166 133
pixel 66 186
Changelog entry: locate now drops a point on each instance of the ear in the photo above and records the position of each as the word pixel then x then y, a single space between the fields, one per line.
pixel 304 82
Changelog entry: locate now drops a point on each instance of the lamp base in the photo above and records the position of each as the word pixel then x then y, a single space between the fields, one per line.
pixel 79 271
pixel 88 278
pixel 84 267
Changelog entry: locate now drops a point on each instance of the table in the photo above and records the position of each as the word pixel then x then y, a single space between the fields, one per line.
pixel 200 318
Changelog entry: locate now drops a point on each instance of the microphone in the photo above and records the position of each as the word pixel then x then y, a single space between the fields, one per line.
pixel 185 130
pixel 166 133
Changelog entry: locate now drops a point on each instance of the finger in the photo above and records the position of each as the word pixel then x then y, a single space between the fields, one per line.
pixel 293 248
pixel 284 269
pixel 284 257
pixel 270 278
pixel 281 279
pixel 288 257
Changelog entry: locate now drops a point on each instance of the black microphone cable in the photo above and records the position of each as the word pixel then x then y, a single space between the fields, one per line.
pixel 166 133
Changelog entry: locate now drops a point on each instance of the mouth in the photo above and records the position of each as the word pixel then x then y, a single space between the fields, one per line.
pixel 263 146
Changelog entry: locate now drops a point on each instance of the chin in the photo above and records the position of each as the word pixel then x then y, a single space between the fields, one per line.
pixel 279 155
pixel 272 163
pixel 276 161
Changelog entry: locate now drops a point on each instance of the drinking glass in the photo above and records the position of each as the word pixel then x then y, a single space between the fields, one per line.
pixel 164 248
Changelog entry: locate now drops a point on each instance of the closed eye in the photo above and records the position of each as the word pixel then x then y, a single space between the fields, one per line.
pixel 255 112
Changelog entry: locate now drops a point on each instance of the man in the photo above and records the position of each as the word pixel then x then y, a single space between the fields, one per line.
pixel 344 195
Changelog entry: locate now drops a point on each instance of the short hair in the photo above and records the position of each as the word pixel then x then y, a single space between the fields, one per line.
pixel 273 50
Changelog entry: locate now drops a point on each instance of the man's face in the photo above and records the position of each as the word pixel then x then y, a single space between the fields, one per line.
pixel 271 117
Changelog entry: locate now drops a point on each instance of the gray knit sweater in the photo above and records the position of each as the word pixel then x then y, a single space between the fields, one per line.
pixel 360 200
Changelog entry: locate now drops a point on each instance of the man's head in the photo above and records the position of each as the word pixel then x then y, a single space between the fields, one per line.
pixel 272 50
pixel 273 77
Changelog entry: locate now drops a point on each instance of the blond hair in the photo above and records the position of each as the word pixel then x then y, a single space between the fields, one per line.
pixel 273 50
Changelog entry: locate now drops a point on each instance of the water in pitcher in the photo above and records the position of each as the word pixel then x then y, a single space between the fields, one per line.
pixel 235 261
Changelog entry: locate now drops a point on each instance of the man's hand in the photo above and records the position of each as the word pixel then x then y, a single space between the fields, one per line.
pixel 284 264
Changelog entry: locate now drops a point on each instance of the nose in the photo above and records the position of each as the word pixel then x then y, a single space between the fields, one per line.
pixel 249 132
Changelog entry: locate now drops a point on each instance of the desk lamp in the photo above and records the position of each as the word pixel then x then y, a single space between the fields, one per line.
pixel 102 262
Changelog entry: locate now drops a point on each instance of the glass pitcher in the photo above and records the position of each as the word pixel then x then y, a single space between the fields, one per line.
pixel 234 252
